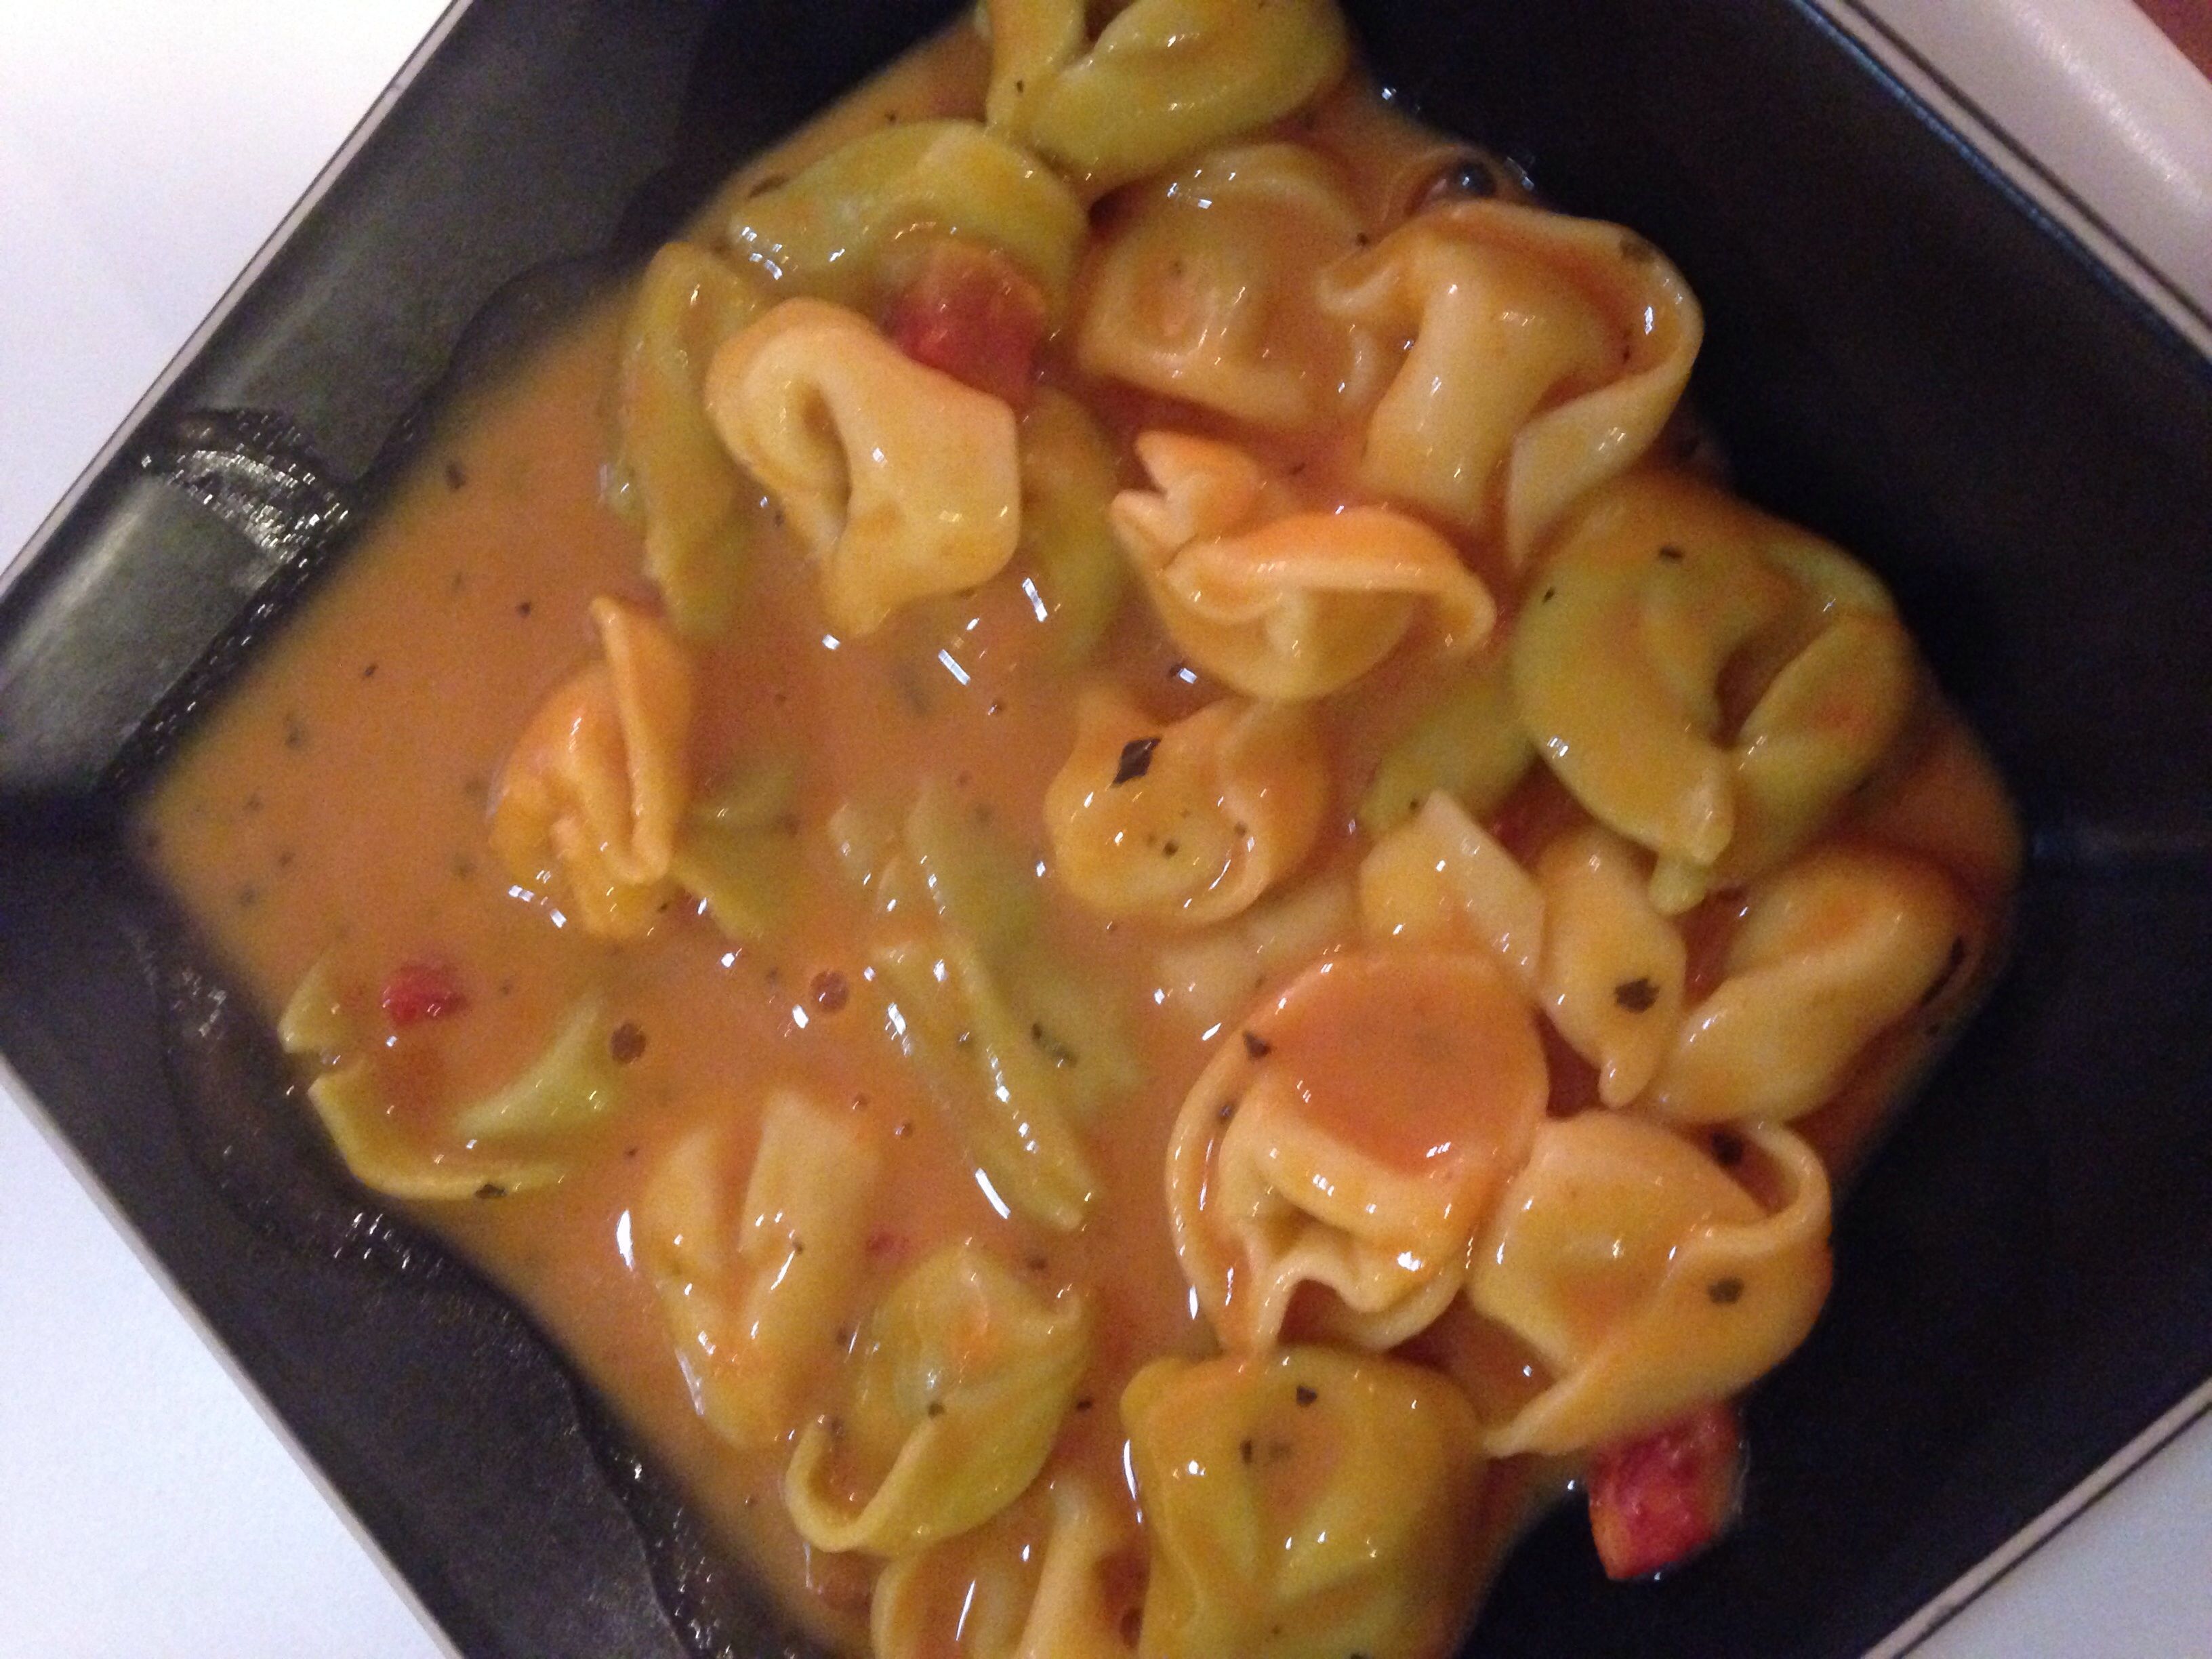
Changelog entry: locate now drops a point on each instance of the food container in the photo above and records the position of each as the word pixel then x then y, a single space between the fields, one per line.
pixel 1901 353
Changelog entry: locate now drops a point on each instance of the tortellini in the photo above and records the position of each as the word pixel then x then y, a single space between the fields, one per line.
pixel 1834 950
pixel 900 481
pixel 1015 1048
pixel 1647 1278
pixel 506 1142
pixel 963 1376
pixel 1187 822
pixel 1205 291
pixel 1210 977
pixel 753 1299
pixel 1468 743
pixel 690 492
pixel 1614 970
pixel 1441 879
pixel 1351 1137
pixel 589 804
pixel 1033 1584
pixel 1660 595
pixel 1071 472
pixel 1164 78
pixel 1547 354
pixel 827 231
pixel 1304 1503
pixel 1291 606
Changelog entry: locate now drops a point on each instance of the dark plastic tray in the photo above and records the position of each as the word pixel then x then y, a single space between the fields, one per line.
pixel 1901 353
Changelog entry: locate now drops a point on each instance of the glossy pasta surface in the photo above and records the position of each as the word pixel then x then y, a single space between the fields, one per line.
pixel 1084 850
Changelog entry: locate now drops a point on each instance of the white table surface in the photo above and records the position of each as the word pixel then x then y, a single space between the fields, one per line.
pixel 146 148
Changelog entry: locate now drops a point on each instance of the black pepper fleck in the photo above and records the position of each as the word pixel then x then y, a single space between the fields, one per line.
pixel 1257 1046
pixel 1637 995
pixel 1136 760
pixel 1671 554
pixel 626 1042
pixel 456 475
pixel 1306 1397
pixel 1725 1291
pixel 491 1189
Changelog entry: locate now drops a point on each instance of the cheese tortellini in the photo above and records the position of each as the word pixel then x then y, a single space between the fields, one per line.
pixel 1352 1138
pixel 1032 1584
pixel 753 1296
pixel 1206 291
pixel 1546 355
pixel 1833 951
pixel 1162 78
pixel 1441 879
pixel 827 231
pixel 1293 605
pixel 1186 822
pixel 1661 592
pixel 1303 1503
pixel 589 802
pixel 1646 1277
pixel 900 481
pixel 963 1375
pixel 690 494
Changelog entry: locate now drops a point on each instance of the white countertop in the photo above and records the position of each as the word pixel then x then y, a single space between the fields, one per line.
pixel 146 148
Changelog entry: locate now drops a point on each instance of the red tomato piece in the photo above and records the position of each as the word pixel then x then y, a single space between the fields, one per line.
pixel 1659 1500
pixel 422 990
pixel 971 313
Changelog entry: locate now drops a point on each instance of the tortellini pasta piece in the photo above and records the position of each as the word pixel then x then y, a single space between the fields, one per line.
pixel 1833 951
pixel 900 481
pixel 753 1299
pixel 963 1376
pixel 1547 354
pixel 827 231
pixel 1211 977
pixel 1468 743
pixel 507 1142
pixel 1441 879
pixel 1647 1278
pixel 1033 1584
pixel 1070 474
pixel 1614 968
pixel 1289 607
pixel 1304 1503
pixel 691 495
pixel 1661 593
pixel 1204 289
pixel 589 803
pixel 1187 822
pixel 1352 1137
pixel 1164 78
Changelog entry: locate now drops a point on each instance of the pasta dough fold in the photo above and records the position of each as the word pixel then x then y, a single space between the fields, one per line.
pixel 1205 291
pixel 1647 1278
pixel 1660 595
pixel 1187 822
pixel 690 494
pixel 1030 1585
pixel 1163 79
pixel 1440 879
pixel 1614 968
pixel 900 481
pixel 962 1379
pixel 1289 607
pixel 1303 1503
pixel 753 1300
pixel 588 804
pixel 1352 1138
pixel 828 231
pixel 1547 354
pixel 1833 951
pixel 509 1141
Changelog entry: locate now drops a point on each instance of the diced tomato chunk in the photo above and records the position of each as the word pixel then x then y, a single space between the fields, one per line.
pixel 422 990
pixel 970 312
pixel 1659 1500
